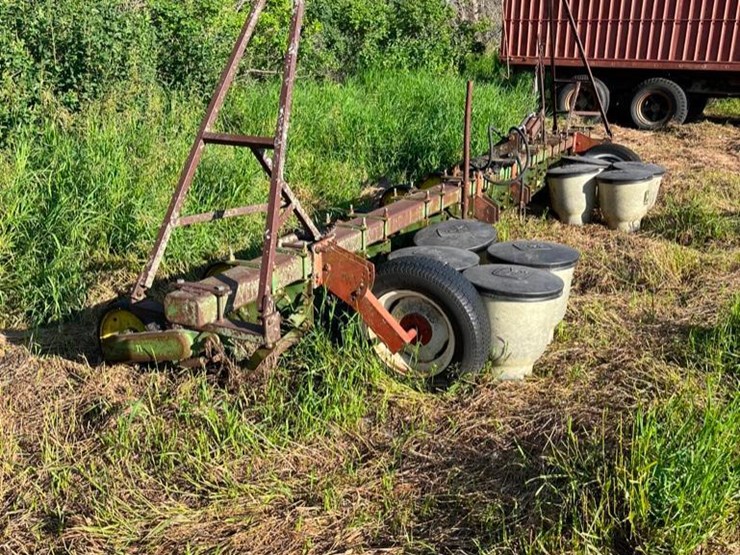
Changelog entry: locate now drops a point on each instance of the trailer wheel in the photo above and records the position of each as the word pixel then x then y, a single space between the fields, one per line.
pixel 656 102
pixel 586 101
pixel 452 325
pixel 612 152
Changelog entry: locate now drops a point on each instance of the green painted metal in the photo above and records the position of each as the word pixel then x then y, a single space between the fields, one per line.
pixel 158 346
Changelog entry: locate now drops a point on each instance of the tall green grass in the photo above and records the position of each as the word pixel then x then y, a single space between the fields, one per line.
pixel 717 349
pixel 83 195
pixel 667 482
pixel 670 489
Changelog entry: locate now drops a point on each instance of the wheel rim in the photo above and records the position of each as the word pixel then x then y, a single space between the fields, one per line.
pixel 655 107
pixel 119 321
pixel 434 347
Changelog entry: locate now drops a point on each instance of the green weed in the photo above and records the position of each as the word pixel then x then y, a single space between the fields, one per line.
pixel 718 348
pixel 726 107
pixel 694 223
pixel 83 198
pixel 670 489
pixel 321 385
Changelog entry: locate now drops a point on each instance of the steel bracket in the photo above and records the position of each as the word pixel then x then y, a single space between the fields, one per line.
pixel 350 278
pixel 485 210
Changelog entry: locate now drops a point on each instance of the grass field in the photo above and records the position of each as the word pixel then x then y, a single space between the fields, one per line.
pixel 81 197
pixel 625 441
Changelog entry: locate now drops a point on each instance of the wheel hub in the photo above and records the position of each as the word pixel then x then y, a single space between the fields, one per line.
pixel 656 107
pixel 422 326
pixel 433 349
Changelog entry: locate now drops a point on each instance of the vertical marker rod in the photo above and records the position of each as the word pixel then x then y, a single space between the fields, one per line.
pixel 466 150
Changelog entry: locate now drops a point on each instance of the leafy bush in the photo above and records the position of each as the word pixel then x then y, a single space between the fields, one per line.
pixel 72 51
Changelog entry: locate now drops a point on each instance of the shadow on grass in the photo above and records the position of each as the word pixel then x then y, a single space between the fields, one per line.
pixel 75 336
pixel 723 120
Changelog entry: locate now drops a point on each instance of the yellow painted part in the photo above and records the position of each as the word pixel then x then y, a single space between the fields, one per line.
pixel 118 321
pixel 218 268
pixel 430 182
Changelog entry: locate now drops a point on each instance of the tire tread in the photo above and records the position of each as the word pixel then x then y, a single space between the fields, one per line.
pixel 454 293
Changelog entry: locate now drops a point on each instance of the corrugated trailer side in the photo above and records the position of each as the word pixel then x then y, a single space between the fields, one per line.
pixel 676 34
pixel 660 60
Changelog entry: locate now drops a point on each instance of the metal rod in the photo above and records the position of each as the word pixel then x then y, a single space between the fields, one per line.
pixel 270 319
pixel 259 154
pixel 238 140
pixel 287 213
pixel 146 278
pixel 466 149
pixel 290 198
pixel 584 59
pixel 220 215
pixel 553 46
pixel 541 85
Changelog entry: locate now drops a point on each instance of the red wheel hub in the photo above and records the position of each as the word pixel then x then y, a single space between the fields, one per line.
pixel 419 323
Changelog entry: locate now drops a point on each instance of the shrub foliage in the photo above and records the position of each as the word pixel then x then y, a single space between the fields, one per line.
pixel 72 51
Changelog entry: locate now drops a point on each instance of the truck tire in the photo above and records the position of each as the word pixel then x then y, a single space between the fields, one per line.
pixel 454 332
pixel 697 104
pixel 657 102
pixel 586 101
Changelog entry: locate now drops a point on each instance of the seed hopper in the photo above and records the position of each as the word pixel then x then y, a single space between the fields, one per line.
pixel 255 309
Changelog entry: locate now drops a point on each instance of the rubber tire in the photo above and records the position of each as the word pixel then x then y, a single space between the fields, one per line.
pixel 455 295
pixel 613 152
pixel 697 104
pixel 601 87
pixel 670 89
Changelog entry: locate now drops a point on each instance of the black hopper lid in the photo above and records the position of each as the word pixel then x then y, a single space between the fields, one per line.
pixel 573 170
pixel 536 254
pixel 472 235
pixel 515 283
pixel 655 169
pixel 459 259
pixel 570 159
pixel 619 177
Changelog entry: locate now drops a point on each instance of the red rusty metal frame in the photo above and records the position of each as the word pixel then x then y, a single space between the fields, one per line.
pixel 324 261
pixel 581 142
pixel 466 150
pixel 282 202
pixel 351 277
pixel 200 305
pixel 551 12
pixel 670 35
pixel 484 209
pixel 270 316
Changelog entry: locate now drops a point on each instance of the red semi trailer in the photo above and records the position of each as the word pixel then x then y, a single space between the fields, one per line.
pixel 657 60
